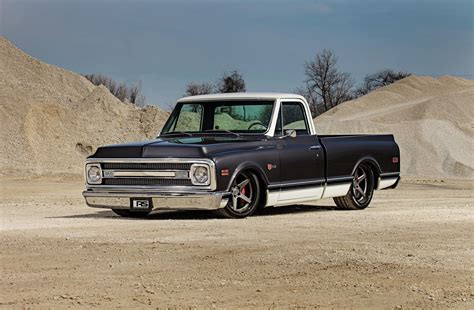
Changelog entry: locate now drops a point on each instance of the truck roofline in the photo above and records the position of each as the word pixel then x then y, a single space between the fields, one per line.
pixel 240 96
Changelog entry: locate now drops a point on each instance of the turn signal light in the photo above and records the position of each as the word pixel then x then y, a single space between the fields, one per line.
pixel 394 160
pixel 224 172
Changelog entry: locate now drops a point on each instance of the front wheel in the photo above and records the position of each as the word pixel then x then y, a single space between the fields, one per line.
pixel 245 196
pixel 361 192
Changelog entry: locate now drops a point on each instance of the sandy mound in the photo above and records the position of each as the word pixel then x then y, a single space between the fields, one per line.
pixel 432 120
pixel 51 119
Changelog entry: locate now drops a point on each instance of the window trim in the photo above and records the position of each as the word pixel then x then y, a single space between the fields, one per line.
pixel 173 117
pixel 310 125
pixel 305 117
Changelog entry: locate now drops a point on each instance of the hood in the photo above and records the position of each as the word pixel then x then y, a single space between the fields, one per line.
pixel 182 147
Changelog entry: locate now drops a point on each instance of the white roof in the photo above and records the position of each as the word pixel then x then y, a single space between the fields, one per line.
pixel 234 96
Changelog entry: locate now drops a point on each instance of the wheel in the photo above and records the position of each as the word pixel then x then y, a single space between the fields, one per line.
pixel 245 196
pixel 361 192
pixel 128 213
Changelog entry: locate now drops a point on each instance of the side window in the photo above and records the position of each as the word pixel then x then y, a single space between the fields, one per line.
pixel 294 118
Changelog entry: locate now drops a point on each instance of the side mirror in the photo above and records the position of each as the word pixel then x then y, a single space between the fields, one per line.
pixel 289 133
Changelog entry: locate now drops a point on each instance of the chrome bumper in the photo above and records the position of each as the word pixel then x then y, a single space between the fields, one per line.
pixel 160 200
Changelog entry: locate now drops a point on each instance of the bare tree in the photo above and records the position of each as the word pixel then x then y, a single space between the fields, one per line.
pixel 324 83
pixel 112 86
pixel 135 94
pixel 121 91
pixel 232 82
pixel 379 79
pixel 193 89
pixel 314 105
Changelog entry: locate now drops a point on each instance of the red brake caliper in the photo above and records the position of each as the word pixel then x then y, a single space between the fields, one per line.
pixel 242 191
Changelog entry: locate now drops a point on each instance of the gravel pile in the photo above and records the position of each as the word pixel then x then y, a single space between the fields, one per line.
pixel 51 119
pixel 432 120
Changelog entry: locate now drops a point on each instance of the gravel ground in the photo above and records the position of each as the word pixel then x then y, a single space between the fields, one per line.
pixel 413 247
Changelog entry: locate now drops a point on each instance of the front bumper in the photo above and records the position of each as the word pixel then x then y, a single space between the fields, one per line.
pixel 160 200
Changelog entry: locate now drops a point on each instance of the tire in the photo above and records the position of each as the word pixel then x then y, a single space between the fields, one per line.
pixel 245 196
pixel 361 191
pixel 128 213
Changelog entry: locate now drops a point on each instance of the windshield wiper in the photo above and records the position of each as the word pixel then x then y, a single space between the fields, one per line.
pixel 223 131
pixel 174 133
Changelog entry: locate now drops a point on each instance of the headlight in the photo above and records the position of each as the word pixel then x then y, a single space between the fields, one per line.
pixel 93 174
pixel 200 174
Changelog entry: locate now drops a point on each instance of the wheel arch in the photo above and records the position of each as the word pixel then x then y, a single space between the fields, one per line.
pixel 372 163
pixel 258 171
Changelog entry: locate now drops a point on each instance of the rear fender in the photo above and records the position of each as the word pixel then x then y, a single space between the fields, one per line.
pixel 372 162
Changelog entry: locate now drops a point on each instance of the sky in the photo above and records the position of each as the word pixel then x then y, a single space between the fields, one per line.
pixel 167 44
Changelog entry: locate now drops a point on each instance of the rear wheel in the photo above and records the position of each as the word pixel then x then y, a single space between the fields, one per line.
pixel 361 192
pixel 128 213
pixel 245 196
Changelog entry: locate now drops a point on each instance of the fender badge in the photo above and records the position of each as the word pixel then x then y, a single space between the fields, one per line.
pixel 271 166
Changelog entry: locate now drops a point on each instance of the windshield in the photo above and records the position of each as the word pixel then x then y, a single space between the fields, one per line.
pixel 220 116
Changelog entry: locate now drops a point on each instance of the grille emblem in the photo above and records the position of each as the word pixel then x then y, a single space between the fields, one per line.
pixel 181 174
pixel 108 173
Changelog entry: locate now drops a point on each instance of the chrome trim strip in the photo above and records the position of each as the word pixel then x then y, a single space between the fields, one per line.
pixel 144 173
pixel 150 194
pixel 333 179
pixel 288 184
pixel 388 174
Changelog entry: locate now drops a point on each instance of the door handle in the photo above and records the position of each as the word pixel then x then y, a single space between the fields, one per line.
pixel 315 147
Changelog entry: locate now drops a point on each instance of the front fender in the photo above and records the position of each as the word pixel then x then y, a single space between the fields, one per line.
pixel 257 160
pixel 248 165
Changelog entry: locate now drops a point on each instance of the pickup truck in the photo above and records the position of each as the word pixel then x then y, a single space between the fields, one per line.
pixel 236 153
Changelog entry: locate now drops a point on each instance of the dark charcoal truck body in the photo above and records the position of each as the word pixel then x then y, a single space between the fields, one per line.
pixel 275 167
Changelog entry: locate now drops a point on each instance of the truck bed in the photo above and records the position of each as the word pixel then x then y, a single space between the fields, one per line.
pixel 343 152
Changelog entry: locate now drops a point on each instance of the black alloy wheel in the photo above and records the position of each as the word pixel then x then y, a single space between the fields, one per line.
pixel 244 198
pixel 361 192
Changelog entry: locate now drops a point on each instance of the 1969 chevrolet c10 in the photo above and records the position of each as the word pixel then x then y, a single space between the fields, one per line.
pixel 235 153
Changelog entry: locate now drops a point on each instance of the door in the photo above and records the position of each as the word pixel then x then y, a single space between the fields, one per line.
pixel 301 157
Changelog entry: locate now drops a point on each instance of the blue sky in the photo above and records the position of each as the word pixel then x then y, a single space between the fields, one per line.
pixel 167 44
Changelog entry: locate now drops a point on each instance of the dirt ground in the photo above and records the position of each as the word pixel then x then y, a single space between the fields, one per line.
pixel 413 247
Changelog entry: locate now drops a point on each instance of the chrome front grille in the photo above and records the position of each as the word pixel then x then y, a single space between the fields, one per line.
pixel 146 173
pixel 147 181
pixel 167 174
